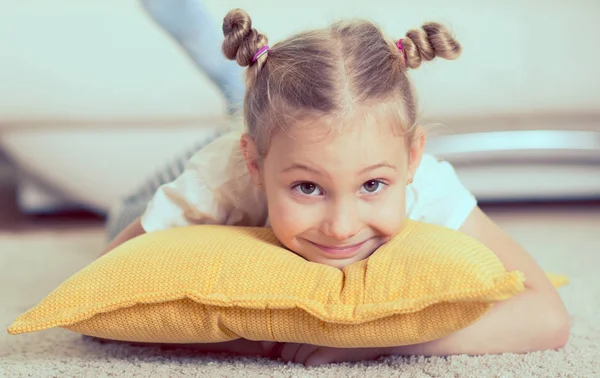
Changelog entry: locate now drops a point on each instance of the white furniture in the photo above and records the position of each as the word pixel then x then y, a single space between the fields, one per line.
pixel 95 97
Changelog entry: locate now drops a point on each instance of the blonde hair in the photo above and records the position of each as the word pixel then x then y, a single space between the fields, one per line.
pixel 329 72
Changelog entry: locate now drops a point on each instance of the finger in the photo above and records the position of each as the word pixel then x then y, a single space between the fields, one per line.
pixel 268 348
pixel 289 351
pixel 334 355
pixel 304 352
pixel 243 347
pixel 322 356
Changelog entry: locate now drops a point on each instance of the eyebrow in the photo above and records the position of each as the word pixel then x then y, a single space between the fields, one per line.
pixel 376 166
pixel 315 171
pixel 302 167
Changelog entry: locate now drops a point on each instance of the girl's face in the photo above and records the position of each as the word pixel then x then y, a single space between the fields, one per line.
pixel 334 198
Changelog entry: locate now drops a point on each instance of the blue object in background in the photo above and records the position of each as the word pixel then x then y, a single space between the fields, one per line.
pixel 201 36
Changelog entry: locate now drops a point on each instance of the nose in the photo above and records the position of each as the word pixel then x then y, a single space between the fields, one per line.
pixel 342 221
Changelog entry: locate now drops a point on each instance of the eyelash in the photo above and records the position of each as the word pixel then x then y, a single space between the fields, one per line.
pixel 296 187
pixel 381 186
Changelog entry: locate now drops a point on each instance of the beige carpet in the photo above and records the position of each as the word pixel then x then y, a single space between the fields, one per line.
pixel 34 262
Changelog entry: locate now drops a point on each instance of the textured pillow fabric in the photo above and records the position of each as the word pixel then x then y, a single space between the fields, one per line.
pixel 217 283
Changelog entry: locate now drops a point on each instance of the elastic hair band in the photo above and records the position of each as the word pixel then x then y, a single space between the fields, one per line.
pixel 400 47
pixel 260 53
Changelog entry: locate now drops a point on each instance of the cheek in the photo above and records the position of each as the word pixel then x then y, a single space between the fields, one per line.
pixel 388 215
pixel 288 218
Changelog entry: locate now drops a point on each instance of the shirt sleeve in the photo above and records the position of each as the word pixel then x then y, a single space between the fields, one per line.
pixel 211 190
pixel 438 195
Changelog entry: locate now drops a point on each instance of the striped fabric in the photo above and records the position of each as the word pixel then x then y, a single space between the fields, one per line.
pixel 134 205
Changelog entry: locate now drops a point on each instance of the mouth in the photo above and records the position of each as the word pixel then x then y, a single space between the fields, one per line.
pixel 339 250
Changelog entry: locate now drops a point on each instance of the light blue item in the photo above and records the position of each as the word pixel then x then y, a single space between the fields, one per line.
pixel 193 27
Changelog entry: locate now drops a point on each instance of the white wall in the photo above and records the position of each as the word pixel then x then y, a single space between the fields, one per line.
pixel 105 59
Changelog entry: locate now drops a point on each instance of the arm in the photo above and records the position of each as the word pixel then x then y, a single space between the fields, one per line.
pixel 533 320
pixel 133 230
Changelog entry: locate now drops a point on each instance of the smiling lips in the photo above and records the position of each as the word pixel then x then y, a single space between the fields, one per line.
pixel 340 250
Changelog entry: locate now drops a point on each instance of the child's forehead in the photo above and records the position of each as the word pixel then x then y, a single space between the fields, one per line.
pixel 338 147
pixel 337 155
pixel 332 131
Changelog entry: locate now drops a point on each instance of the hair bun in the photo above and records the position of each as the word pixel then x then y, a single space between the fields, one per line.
pixel 241 42
pixel 430 41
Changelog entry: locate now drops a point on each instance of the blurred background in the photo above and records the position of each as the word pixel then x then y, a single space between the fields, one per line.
pixel 97 99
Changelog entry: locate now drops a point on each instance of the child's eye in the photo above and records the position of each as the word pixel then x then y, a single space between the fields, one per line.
pixel 308 189
pixel 372 186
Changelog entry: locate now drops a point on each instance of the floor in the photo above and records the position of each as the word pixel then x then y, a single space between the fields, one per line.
pixel 13 221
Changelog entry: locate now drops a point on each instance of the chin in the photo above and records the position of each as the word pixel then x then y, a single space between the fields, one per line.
pixel 311 253
pixel 341 262
pixel 319 259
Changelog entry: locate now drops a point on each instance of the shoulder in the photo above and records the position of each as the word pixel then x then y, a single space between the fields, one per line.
pixel 433 169
pixel 220 151
pixel 223 169
pixel 437 194
pixel 214 187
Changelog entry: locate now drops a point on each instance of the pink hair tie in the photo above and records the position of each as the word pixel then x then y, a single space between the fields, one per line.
pixel 260 53
pixel 401 48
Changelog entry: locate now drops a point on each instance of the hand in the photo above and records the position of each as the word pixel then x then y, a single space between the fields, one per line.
pixel 313 355
pixel 240 347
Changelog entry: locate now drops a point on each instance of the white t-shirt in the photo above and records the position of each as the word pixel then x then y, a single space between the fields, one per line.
pixel 215 188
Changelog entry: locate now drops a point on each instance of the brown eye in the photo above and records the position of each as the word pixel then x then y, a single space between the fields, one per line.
pixel 373 186
pixel 308 189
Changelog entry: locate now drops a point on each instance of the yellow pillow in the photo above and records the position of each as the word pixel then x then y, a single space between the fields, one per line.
pixel 217 283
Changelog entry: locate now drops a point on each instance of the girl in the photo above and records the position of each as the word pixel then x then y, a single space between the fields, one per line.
pixel 332 160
